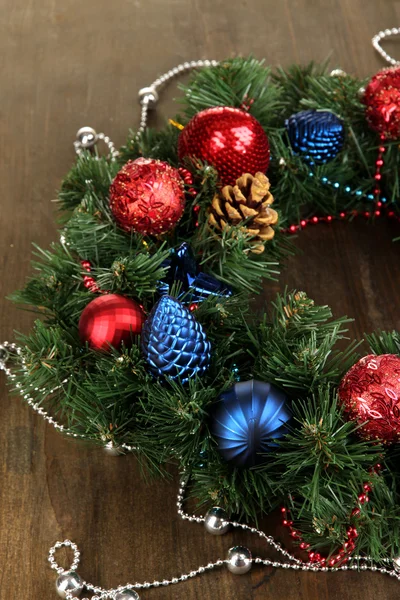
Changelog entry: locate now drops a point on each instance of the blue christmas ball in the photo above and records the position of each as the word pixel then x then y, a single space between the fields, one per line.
pixel 246 420
pixel 316 134
pixel 173 343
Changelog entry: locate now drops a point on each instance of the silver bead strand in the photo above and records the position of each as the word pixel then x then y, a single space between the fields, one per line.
pixel 376 44
pixel 5 349
pixel 148 96
pixel 238 561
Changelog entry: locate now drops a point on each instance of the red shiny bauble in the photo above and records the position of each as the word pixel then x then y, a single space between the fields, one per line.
pixel 370 395
pixel 229 139
pixel 147 196
pixel 382 99
pixel 110 320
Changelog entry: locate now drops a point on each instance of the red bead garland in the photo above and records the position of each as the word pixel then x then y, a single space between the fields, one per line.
pixel 315 220
pixel 347 547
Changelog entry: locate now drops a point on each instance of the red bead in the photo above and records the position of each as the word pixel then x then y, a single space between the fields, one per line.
pixel 295 535
pixel 86 265
pixel 367 214
pixel 382 100
pixel 317 557
pixel 367 487
pixel 379 162
pixel 342 215
pixel 109 321
pixel 292 228
pixel 147 196
pixel 329 218
pixel 378 176
pixel 315 219
pixel 88 282
pixel 382 149
pixel 303 223
pixel 283 509
pixel 377 213
pixel 193 306
pixel 352 533
pixel 287 523
pixel 355 512
pixel 332 562
pixel 228 138
pixel 304 546
pixel 391 213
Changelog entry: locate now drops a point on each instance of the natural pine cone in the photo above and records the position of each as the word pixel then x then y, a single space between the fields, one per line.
pixel 249 200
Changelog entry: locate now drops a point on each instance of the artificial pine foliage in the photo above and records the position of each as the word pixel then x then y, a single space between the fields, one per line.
pixel 319 468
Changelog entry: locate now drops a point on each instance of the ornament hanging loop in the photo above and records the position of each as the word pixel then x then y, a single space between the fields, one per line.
pixel 87 139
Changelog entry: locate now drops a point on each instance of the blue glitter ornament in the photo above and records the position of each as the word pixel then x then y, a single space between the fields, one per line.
pixel 196 285
pixel 246 420
pixel 317 134
pixel 173 342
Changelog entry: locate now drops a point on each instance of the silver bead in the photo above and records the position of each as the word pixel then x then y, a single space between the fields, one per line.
pixel 127 595
pixel 87 137
pixel 338 73
pixel 69 581
pixel 239 560
pixel 113 450
pixel 216 521
pixel 396 563
pixel 361 93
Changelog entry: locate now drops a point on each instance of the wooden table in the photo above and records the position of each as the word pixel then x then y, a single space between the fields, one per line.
pixel 68 64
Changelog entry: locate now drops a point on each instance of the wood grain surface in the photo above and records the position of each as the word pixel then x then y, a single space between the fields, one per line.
pixel 70 63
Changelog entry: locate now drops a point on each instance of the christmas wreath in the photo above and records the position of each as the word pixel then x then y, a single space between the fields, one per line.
pixel 147 340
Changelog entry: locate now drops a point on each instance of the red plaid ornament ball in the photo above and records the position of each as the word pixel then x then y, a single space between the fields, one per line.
pixel 110 320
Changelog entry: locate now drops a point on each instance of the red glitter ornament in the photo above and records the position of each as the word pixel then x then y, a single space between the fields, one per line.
pixel 230 139
pixel 110 320
pixel 147 196
pixel 382 99
pixel 370 394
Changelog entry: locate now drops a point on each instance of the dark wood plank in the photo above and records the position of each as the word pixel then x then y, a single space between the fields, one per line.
pixel 67 64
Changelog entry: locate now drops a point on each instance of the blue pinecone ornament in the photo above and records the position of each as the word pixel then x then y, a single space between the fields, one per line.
pixel 246 419
pixel 316 134
pixel 173 342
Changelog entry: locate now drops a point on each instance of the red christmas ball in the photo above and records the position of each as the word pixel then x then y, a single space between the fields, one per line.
pixel 147 196
pixel 110 320
pixel 370 394
pixel 382 99
pixel 229 139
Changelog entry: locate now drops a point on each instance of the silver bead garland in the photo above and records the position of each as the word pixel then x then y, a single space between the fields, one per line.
pixel 239 559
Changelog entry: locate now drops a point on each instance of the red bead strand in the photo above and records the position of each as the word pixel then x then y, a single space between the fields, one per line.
pixel 378 166
pixel 347 547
